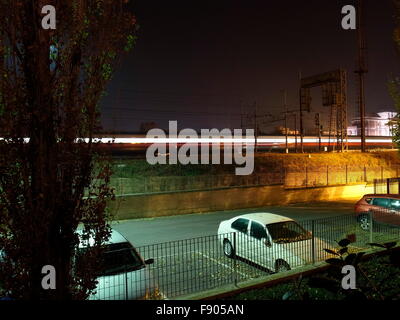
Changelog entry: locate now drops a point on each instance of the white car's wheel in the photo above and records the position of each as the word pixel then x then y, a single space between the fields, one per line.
pixel 228 249
pixel 281 266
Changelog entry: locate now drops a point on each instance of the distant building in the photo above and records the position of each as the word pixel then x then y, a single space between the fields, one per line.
pixel 282 131
pixel 376 124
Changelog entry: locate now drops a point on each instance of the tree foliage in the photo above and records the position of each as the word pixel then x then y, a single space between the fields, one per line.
pixel 394 82
pixel 51 82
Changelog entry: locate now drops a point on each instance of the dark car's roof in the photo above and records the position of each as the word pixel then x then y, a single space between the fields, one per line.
pixel 376 195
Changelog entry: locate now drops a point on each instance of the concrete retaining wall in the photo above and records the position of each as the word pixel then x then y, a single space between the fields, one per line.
pixel 165 204
pixel 308 176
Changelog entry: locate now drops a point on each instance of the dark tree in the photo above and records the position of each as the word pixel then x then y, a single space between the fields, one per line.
pixel 394 83
pixel 51 178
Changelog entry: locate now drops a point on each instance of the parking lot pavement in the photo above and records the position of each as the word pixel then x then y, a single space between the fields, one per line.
pixel 188 257
pixel 157 230
pixel 181 270
pixel 199 264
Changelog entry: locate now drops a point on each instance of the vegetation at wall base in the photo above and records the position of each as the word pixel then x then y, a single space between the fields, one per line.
pixel 264 163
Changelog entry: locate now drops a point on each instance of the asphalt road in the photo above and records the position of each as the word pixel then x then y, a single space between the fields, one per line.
pixel 165 229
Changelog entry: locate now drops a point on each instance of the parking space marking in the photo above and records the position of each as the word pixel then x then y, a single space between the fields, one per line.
pixel 222 264
pixel 173 255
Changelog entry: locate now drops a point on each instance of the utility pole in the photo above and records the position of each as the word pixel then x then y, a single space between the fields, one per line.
pixel 301 117
pixel 241 115
pixel 295 131
pixel 286 124
pixel 318 126
pixel 321 128
pixel 255 125
pixel 362 70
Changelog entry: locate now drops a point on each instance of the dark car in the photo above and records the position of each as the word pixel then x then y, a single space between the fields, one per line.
pixel 385 208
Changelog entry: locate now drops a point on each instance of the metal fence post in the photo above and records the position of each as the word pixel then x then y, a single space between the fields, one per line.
pixel 313 240
pixel 327 175
pixel 126 283
pixel 235 260
pixel 306 176
pixel 365 174
pixel 398 186
pixel 284 176
pixel 371 227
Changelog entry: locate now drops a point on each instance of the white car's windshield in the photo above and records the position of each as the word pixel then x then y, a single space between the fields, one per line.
pixel 288 231
pixel 120 257
pixel 117 258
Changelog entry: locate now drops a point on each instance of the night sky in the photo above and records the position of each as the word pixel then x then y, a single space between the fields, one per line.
pixel 201 62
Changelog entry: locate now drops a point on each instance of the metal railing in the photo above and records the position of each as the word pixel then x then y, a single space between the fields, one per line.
pixel 331 175
pixel 387 186
pixel 200 264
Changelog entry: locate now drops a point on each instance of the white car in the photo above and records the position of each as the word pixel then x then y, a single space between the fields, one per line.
pixel 125 275
pixel 272 241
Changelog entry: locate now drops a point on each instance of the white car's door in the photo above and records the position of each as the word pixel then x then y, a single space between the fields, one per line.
pixel 125 286
pixel 241 229
pixel 260 245
pixel 111 287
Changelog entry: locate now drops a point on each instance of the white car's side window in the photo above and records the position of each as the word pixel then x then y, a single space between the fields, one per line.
pixel 241 225
pixel 258 231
